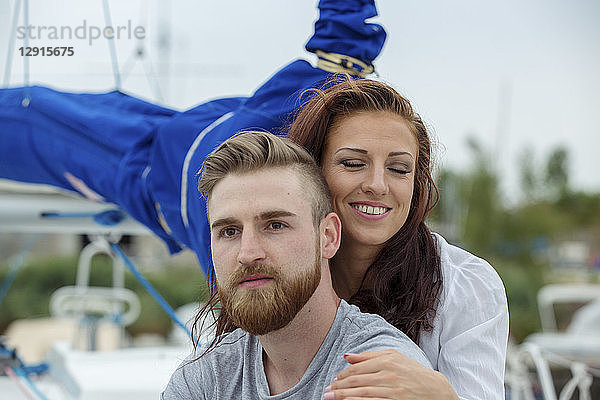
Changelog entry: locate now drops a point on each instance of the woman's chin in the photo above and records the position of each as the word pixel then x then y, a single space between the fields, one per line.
pixel 365 238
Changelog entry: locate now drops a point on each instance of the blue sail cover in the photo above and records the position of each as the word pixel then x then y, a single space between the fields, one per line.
pixel 145 158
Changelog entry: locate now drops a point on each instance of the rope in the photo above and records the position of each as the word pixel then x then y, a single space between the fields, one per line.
pixel 113 217
pixel 21 370
pixel 150 289
pixel 16 265
pixel 11 42
pixel 105 218
pixel 11 374
pixel 333 62
pixel 111 46
pixel 21 373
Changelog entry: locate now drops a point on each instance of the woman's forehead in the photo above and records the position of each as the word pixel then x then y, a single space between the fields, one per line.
pixel 367 128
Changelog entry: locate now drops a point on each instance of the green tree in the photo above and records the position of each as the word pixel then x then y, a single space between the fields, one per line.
pixel 528 176
pixel 516 239
pixel 482 202
pixel 557 174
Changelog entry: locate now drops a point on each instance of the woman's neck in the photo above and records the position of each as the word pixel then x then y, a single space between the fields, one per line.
pixel 349 266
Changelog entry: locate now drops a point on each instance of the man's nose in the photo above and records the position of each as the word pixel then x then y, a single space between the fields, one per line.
pixel 251 249
pixel 375 182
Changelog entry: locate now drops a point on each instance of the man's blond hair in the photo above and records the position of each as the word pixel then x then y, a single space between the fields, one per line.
pixel 254 151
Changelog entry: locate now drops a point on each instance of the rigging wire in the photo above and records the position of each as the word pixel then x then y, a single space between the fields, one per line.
pixel 27 97
pixel 140 53
pixel 148 67
pixel 16 265
pixel 11 43
pixel 152 80
pixel 112 47
pixel 150 289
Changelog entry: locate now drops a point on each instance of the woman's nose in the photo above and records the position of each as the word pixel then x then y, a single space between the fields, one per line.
pixel 375 182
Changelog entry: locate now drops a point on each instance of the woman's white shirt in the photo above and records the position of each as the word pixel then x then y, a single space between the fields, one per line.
pixel 470 331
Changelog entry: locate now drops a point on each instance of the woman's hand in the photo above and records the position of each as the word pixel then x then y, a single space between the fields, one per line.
pixel 388 374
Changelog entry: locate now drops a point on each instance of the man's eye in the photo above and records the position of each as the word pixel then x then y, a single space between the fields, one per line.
pixel 276 225
pixel 229 232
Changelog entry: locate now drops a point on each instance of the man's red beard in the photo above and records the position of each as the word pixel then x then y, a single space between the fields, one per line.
pixel 267 309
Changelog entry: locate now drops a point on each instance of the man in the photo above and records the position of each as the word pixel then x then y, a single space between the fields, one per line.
pixel 272 234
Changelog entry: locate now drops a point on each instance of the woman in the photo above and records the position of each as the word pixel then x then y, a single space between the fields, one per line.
pixel 375 154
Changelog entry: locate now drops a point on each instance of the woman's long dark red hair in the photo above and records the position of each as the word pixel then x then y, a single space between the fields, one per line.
pixel 403 283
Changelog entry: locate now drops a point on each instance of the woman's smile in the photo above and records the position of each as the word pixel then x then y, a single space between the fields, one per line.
pixel 371 210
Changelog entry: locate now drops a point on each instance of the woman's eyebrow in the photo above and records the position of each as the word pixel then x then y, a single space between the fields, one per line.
pixel 400 153
pixel 362 151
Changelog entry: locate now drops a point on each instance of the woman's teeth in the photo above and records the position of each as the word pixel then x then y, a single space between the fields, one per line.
pixel 369 209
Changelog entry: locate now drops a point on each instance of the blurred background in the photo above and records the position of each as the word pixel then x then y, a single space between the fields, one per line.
pixel 510 90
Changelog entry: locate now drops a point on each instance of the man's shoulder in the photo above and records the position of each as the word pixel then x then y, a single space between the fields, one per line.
pixel 360 324
pixel 369 332
pixel 226 344
pixel 356 320
pixel 200 373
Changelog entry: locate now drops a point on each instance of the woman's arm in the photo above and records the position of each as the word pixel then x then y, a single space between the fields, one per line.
pixel 388 374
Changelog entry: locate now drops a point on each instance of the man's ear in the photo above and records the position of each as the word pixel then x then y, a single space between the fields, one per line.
pixel 331 234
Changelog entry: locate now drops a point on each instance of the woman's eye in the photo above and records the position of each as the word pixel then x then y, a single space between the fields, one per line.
pixel 352 163
pixel 402 171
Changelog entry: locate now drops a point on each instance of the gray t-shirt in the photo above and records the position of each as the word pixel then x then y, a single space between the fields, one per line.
pixel 234 369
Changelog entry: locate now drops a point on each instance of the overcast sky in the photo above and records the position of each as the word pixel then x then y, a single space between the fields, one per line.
pixel 512 73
